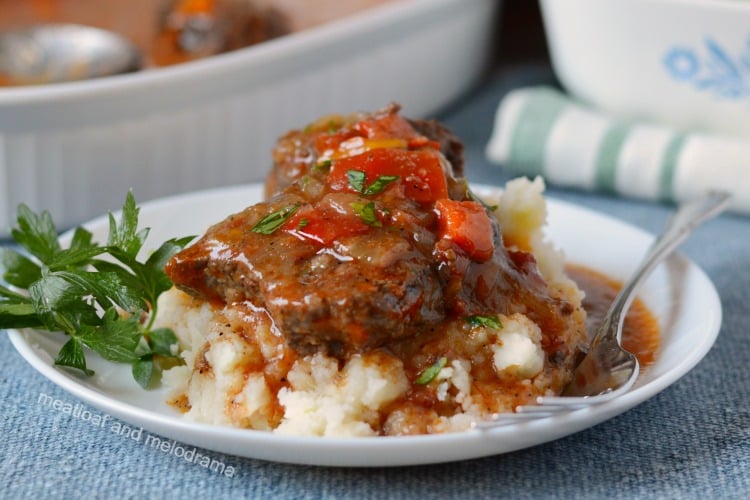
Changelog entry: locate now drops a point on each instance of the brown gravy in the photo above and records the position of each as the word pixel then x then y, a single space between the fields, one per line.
pixel 640 334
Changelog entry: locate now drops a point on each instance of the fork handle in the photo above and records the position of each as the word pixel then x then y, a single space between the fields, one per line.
pixel 687 217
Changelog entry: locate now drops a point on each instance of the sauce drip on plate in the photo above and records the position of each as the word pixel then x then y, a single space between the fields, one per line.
pixel 640 334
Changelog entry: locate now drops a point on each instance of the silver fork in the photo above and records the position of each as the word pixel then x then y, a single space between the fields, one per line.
pixel 608 371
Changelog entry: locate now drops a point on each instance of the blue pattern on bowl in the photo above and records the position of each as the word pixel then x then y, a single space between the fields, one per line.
pixel 712 69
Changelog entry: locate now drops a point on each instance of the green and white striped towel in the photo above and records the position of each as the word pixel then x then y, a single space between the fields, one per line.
pixel 540 131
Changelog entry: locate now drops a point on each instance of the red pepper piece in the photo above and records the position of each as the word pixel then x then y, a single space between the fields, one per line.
pixel 468 226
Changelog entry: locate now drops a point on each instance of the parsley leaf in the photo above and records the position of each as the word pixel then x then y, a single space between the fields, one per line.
pixel 143 371
pixel 323 166
pixel 163 341
pixel 18 315
pixel 115 339
pixel 17 269
pixel 71 354
pixel 380 184
pixel 357 182
pixel 125 237
pixel 36 233
pixel 429 374
pixel 486 321
pixel 367 213
pixel 61 304
pixel 273 221
pixel 103 297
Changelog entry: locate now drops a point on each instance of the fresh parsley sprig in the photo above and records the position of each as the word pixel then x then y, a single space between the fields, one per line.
pixel 103 297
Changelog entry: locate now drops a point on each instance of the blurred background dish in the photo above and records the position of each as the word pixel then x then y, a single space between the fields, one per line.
pixel 52 53
pixel 167 32
pixel 75 148
pixel 683 63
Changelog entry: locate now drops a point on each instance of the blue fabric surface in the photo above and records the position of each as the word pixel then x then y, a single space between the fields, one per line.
pixel 690 441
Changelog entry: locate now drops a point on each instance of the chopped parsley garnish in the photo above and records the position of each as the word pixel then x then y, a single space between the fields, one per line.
pixel 273 221
pixel 379 184
pixel 357 182
pixel 486 321
pixel 429 374
pixel 323 166
pixel 366 212
pixel 103 297
pixel 303 223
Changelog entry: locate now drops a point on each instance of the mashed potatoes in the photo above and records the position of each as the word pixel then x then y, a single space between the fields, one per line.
pixel 238 370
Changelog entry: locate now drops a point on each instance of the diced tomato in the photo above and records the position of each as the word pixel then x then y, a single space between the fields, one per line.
pixel 420 172
pixel 468 226
pixel 324 224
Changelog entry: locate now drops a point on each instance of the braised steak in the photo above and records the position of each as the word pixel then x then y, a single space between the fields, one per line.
pixel 369 236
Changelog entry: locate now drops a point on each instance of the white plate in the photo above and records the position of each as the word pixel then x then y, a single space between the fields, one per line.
pixel 679 293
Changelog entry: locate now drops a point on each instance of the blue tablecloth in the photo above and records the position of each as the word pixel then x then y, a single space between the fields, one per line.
pixel 692 440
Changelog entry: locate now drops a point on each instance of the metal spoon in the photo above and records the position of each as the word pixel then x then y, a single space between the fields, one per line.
pixel 53 53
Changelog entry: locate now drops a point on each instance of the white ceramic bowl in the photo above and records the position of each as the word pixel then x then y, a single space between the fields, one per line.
pixel 684 63
pixel 74 149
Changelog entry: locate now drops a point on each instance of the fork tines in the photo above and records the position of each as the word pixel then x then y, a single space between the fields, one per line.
pixel 545 407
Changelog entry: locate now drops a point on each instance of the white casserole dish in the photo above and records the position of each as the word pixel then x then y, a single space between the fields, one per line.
pixel 684 63
pixel 74 149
